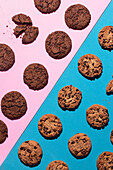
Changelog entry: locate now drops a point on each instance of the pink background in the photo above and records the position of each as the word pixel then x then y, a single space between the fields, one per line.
pixel 35 52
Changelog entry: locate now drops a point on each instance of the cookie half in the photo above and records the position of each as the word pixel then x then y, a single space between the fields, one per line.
pixel 13 105
pixel 90 66
pixel 57 165
pixel 105 38
pixel 19 29
pixel 7 57
pixel 35 76
pixel 105 161
pixel 97 116
pixel 47 6
pixel 77 17
pixel 69 97
pixel 50 126
pixel 3 131
pixel 58 44
pixel 109 88
pixel 79 145
pixel 30 153
pixel 22 19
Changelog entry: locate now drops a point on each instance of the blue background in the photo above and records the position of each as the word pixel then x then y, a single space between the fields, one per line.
pixel 93 92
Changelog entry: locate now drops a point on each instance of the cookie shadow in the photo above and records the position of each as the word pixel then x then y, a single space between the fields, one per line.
pixel 31 166
pixel 52 137
pixel 92 78
pixel 98 128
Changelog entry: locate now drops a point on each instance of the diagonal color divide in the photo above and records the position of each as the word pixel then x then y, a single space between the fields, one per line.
pixel 35 52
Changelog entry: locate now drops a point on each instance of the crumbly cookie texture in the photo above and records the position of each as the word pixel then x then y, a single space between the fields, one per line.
pixel 22 19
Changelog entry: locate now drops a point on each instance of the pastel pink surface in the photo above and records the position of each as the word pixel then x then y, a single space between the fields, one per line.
pixel 35 52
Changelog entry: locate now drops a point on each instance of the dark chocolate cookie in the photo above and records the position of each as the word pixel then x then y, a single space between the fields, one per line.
pixel 109 88
pixel 105 38
pixel 97 116
pixel 19 30
pixel 22 19
pixel 111 136
pixel 90 66
pixel 79 145
pixel 50 126
pixel 57 165
pixel 7 57
pixel 47 6
pixel 3 131
pixel 69 97
pixel 36 76
pixel 77 17
pixel 30 35
pixel 58 44
pixel 105 161
pixel 30 153
pixel 13 105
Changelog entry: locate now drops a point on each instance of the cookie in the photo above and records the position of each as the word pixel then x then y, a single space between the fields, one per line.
pixel 97 116
pixel 50 126
pixel 79 145
pixel 69 97
pixel 7 57
pixel 105 161
pixel 77 17
pixel 30 35
pixel 90 66
pixel 30 153
pixel 105 38
pixel 19 30
pixel 109 88
pixel 3 131
pixel 47 6
pixel 35 76
pixel 13 105
pixel 58 44
pixel 111 136
pixel 22 19
pixel 57 165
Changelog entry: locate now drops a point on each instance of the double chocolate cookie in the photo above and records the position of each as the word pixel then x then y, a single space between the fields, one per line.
pixel 3 131
pixel 50 126
pixel 97 116
pixel 22 19
pixel 30 153
pixel 13 105
pixel 35 76
pixel 69 97
pixel 58 44
pixel 77 17
pixel 57 165
pixel 109 88
pixel 7 57
pixel 90 66
pixel 79 145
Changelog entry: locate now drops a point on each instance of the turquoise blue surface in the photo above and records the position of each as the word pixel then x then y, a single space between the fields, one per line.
pixel 93 92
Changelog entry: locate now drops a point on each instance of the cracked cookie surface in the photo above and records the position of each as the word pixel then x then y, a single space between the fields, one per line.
pixel 47 6
pixel 58 44
pixel 77 17
pixel 50 126
pixel 109 88
pixel 13 105
pixel 30 153
pixel 90 66
pixel 97 116
pixel 57 165
pixel 22 19
pixel 19 29
pixel 69 97
pixel 79 145
pixel 3 131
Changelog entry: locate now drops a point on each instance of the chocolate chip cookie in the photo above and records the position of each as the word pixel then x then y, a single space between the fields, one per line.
pixel 105 38
pixel 90 66
pixel 7 57
pixel 79 145
pixel 111 136
pixel 69 97
pixel 35 76
pixel 13 105
pixel 30 153
pixel 47 6
pixel 3 131
pixel 109 88
pixel 105 161
pixel 22 19
pixel 77 17
pixel 97 116
pixel 58 44
pixel 57 165
pixel 19 29
pixel 50 126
